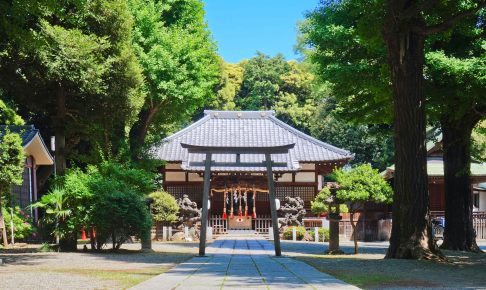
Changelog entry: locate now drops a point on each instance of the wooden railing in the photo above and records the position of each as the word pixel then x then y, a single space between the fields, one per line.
pixel 220 225
pixel 261 224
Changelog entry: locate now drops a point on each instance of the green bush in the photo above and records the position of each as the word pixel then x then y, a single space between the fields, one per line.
pixel 322 233
pixel 118 212
pixel 164 207
pixel 109 197
pixel 300 233
pixel 118 209
pixel 22 223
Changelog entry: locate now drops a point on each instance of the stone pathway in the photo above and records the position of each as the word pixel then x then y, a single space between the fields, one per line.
pixel 243 264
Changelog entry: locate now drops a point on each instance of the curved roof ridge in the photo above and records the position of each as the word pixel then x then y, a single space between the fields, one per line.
pixel 188 128
pixel 221 114
pixel 310 138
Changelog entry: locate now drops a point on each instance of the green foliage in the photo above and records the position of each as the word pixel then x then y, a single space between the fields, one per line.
pixel 164 207
pixel 229 86
pixel 12 160
pixel 320 206
pixel 22 223
pixel 8 116
pixel 478 150
pixel 110 197
pixel 179 64
pixel 261 81
pixel 300 233
pixel 347 48
pixel 118 213
pixel 126 175
pixel 82 53
pixel 346 44
pixel 369 143
pixel 322 232
pixel 362 184
pixel 57 211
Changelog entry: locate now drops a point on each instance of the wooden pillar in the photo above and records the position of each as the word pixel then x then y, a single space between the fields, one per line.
pixel 34 188
pixel 205 199
pixel 273 206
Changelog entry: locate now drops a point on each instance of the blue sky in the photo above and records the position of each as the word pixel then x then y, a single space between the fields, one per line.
pixel 242 27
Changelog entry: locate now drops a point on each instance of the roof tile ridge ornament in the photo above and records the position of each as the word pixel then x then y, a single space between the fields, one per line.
pixel 309 138
pixel 221 114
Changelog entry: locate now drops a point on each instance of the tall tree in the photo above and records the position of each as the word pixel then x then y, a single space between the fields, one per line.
pixel 73 68
pixel 348 42
pixel 458 77
pixel 405 32
pixel 261 81
pixel 229 86
pixel 179 63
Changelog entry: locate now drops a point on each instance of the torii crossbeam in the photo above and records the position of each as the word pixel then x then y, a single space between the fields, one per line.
pixel 267 151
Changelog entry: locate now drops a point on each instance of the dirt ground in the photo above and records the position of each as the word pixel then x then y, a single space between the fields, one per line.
pixel 369 269
pixel 25 268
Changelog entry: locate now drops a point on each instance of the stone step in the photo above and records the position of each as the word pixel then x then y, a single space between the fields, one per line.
pixel 242 233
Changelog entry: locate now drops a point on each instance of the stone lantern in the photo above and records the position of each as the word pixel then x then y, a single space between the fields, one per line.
pixel 334 216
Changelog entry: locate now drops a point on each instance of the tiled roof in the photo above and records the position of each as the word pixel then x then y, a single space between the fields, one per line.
pixel 31 141
pixel 27 133
pixel 247 129
pixel 435 168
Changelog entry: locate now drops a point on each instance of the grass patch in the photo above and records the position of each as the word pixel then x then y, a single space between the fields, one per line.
pixel 464 270
pixel 362 280
pixel 124 278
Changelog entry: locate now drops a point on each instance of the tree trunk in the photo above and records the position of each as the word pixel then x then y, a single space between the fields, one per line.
pixel 411 236
pixel 139 130
pixel 60 131
pixel 2 224
pixel 355 234
pixel 459 232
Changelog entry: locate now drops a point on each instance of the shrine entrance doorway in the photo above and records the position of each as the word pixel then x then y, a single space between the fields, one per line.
pixel 238 199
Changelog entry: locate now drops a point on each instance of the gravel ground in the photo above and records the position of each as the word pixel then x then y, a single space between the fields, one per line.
pixel 369 269
pixel 26 269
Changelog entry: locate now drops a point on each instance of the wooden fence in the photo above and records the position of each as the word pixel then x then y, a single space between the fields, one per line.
pixel 220 225
pixel 368 230
pixel 479 222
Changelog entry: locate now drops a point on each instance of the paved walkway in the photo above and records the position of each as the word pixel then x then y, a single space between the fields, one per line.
pixel 243 264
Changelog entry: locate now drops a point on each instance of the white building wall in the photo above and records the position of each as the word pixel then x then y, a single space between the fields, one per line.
pixel 482 201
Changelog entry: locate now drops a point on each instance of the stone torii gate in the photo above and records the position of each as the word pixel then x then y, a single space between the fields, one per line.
pixel 267 151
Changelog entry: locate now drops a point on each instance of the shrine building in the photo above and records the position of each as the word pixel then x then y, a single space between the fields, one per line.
pixel 238 194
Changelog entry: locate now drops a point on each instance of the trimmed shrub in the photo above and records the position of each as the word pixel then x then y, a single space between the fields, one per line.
pixel 322 233
pixel 164 207
pixel 300 233
pixel 118 212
